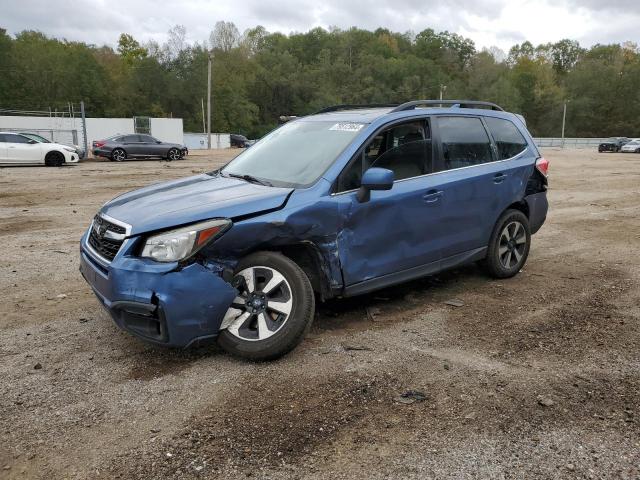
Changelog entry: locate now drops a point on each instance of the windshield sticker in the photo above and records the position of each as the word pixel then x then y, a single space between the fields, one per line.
pixel 347 127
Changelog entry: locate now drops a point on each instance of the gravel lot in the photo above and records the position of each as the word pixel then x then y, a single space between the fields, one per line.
pixel 533 377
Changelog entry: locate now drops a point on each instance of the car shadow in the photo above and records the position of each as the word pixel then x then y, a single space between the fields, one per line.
pixel 335 316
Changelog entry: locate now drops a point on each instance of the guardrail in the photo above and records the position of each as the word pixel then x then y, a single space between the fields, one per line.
pixel 569 142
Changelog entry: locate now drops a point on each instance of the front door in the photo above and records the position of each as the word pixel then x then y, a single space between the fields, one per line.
pixel 395 230
pixel 152 147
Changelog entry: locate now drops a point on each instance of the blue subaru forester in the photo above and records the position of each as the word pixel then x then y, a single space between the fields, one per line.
pixel 335 204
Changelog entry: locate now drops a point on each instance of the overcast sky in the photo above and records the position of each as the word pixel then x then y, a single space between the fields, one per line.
pixel 488 22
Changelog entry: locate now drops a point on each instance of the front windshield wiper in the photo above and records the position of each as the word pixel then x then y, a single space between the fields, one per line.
pixel 248 178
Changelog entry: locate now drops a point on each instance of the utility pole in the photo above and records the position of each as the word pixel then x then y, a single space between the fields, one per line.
pixel 564 118
pixel 84 129
pixel 204 124
pixel 442 89
pixel 209 103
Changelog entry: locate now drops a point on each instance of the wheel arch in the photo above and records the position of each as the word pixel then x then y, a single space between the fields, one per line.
pixel 53 153
pixel 309 258
pixel 522 205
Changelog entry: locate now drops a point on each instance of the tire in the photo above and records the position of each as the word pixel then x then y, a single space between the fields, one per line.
pixel 118 155
pixel 173 154
pixel 509 245
pixel 253 314
pixel 54 159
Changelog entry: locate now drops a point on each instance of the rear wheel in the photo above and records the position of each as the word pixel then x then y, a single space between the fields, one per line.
pixel 509 245
pixel 54 159
pixel 118 155
pixel 173 154
pixel 273 310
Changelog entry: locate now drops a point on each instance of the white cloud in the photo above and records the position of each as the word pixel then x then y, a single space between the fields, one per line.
pixel 487 22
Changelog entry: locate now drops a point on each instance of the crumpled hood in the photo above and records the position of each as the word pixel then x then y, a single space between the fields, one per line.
pixel 192 199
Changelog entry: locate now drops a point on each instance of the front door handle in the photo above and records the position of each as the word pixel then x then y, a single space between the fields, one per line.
pixel 499 177
pixel 432 196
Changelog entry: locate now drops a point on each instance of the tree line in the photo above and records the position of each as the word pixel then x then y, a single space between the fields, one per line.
pixel 260 75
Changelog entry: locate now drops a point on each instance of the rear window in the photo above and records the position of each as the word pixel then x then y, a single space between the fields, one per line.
pixel 14 138
pixel 508 138
pixel 464 142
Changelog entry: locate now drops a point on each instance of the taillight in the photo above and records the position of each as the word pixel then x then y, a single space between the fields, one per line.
pixel 98 144
pixel 542 164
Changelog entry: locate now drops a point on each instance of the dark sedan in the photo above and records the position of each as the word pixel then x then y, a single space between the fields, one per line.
pixel 613 144
pixel 122 147
pixel 240 141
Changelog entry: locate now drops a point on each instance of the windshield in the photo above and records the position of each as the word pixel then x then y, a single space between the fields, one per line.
pixel 296 154
pixel 633 142
pixel 35 137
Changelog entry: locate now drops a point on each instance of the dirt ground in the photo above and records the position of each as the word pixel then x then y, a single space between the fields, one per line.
pixel 533 377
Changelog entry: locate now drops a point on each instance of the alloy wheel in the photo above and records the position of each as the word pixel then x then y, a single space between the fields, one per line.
pixel 263 305
pixel 174 154
pixel 512 244
pixel 118 155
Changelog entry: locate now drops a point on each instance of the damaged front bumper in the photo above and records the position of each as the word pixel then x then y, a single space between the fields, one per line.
pixel 162 303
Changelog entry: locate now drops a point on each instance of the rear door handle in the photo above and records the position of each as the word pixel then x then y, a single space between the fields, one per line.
pixel 432 196
pixel 499 177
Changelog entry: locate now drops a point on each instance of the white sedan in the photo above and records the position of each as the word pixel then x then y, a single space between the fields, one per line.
pixel 18 149
pixel 632 147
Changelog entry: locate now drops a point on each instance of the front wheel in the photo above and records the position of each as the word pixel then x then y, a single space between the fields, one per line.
pixel 174 154
pixel 509 245
pixel 273 310
pixel 54 159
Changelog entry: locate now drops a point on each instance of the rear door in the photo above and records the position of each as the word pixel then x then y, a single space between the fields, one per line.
pixel 20 150
pixel 479 180
pixel 133 145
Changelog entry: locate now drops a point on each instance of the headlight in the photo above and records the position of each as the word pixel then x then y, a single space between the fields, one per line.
pixel 183 242
pixel 70 149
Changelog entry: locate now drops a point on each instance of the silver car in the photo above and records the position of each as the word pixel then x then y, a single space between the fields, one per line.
pixel 632 147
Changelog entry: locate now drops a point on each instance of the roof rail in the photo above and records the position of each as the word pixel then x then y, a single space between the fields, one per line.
pixel 451 103
pixel 346 106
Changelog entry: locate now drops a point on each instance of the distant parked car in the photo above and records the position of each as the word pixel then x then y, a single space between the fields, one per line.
pixel 16 148
pixel 240 141
pixel 613 144
pixel 632 147
pixel 121 147
pixel 41 139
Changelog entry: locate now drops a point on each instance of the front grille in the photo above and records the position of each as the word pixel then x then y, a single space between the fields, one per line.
pixel 106 247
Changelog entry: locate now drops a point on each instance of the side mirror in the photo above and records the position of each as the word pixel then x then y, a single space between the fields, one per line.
pixel 158 141
pixel 374 179
pixel 32 142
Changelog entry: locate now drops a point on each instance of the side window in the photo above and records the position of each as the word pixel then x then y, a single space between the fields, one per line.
pixel 508 138
pixel 405 149
pixel 13 138
pixel 464 142
pixel 147 139
pixel 132 139
pixel 2 140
